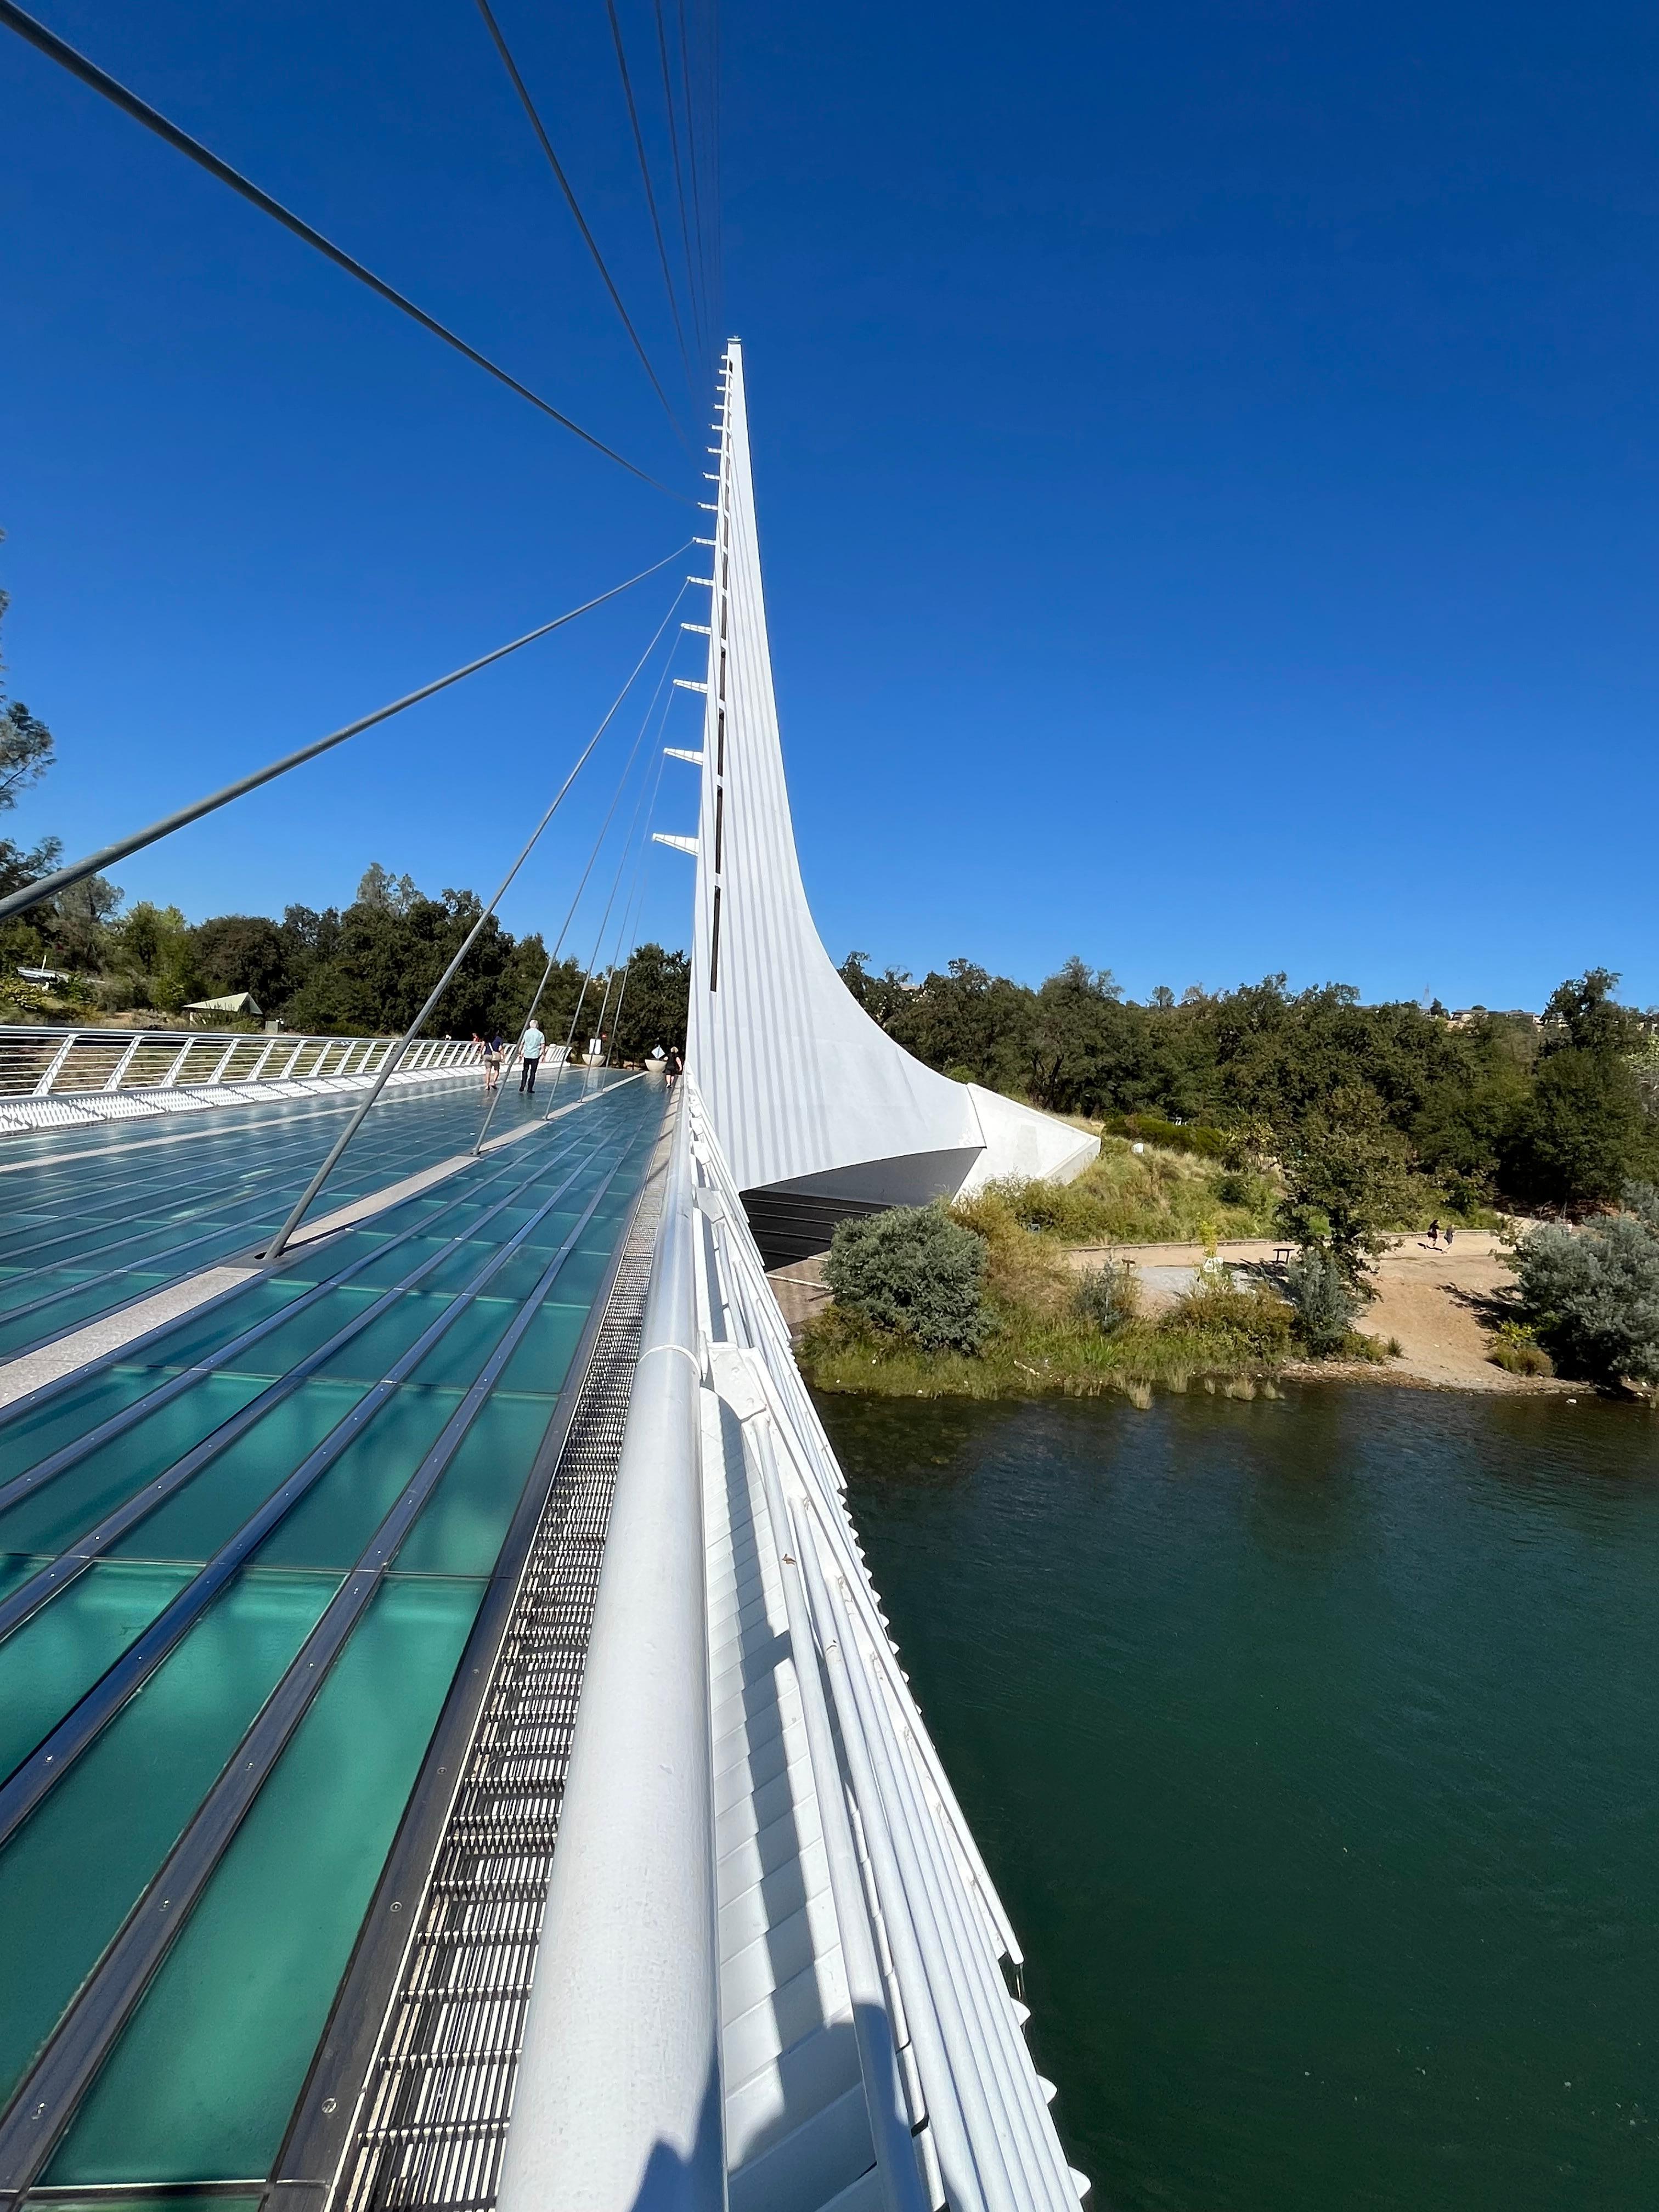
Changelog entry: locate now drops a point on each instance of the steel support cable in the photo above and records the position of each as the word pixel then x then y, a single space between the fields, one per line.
pixel 692 162
pixel 615 800
pixel 650 194
pixel 76 63
pixel 44 2102
pixel 610 713
pixel 564 185
pixel 697 315
pixel 45 887
pixel 604 918
pixel 302 1204
pixel 626 926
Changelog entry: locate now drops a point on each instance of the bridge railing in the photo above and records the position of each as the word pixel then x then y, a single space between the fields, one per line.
pixel 618 2103
pixel 50 1075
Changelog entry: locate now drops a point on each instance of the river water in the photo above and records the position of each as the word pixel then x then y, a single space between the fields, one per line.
pixel 1313 1744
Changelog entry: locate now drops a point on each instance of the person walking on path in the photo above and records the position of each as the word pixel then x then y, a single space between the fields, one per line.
pixel 492 1054
pixel 676 1067
pixel 531 1045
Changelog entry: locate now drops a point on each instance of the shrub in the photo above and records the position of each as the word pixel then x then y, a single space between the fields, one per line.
pixel 912 1271
pixel 1517 1351
pixel 1592 1297
pixel 1108 1298
pixel 1251 1324
pixel 1172 1136
pixel 1323 1307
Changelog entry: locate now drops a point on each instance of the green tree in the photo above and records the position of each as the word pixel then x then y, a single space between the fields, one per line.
pixel 243 952
pixel 652 1001
pixel 1582 1134
pixel 1346 1179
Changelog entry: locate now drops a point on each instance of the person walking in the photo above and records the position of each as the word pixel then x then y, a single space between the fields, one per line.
pixel 531 1045
pixel 493 1053
pixel 676 1067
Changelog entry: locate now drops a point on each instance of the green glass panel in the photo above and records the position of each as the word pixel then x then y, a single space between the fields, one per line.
pixel 52 1662
pixel 377 1348
pixel 332 1525
pixel 518 1279
pixel 149 2200
pixel 70 1875
pixel 296 1340
pixel 17 1566
pixel 201 2085
pixel 461 1527
pixel 199 1339
pixel 76 1500
pixel 209 1510
pixel 541 1360
pixel 464 1266
pixel 455 1359
pixel 578 1281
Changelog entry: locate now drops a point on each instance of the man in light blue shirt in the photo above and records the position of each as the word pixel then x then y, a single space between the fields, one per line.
pixel 531 1045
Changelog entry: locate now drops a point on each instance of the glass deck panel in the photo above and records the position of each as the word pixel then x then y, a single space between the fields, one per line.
pixel 69 1877
pixel 52 1518
pixel 461 1526
pixel 541 1360
pixel 197 1520
pixel 30 1436
pixel 201 2085
pixel 332 1524
pixel 52 1662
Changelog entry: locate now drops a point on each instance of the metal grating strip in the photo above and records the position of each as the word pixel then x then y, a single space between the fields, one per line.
pixel 433 2125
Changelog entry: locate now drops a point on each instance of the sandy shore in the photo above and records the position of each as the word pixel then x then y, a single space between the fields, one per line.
pixel 1437 1305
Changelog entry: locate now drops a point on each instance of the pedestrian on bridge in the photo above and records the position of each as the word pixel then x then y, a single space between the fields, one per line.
pixel 531 1045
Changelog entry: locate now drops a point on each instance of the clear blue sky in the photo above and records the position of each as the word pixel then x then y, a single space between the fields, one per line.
pixel 1206 457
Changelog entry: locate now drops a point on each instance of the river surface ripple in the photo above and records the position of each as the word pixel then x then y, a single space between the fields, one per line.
pixel 1312 1744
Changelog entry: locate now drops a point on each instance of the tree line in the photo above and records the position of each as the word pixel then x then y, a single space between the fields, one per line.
pixel 1556 1113
pixel 364 969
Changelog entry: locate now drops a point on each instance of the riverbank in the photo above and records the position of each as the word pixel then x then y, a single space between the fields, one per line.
pixel 1438 1307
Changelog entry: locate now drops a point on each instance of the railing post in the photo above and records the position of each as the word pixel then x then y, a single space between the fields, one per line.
pixel 169 1082
pixel 294 1058
pixel 258 1066
pixel 224 1061
pixel 43 1088
pixel 617 2106
pixel 124 1063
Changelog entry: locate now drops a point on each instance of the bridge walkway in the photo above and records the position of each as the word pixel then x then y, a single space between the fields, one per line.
pixel 240 1567
pixel 91 1221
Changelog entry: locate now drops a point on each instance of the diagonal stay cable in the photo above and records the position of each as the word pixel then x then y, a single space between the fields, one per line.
pixel 691 159
pixel 564 185
pixel 45 887
pixel 389 1065
pixel 496 1096
pixel 570 1034
pixel 650 192
pixel 69 57
pixel 46 2098
pixel 698 319
pixel 27 1599
pixel 80 1726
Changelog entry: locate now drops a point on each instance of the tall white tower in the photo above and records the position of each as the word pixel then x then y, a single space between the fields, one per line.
pixel 821 1115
